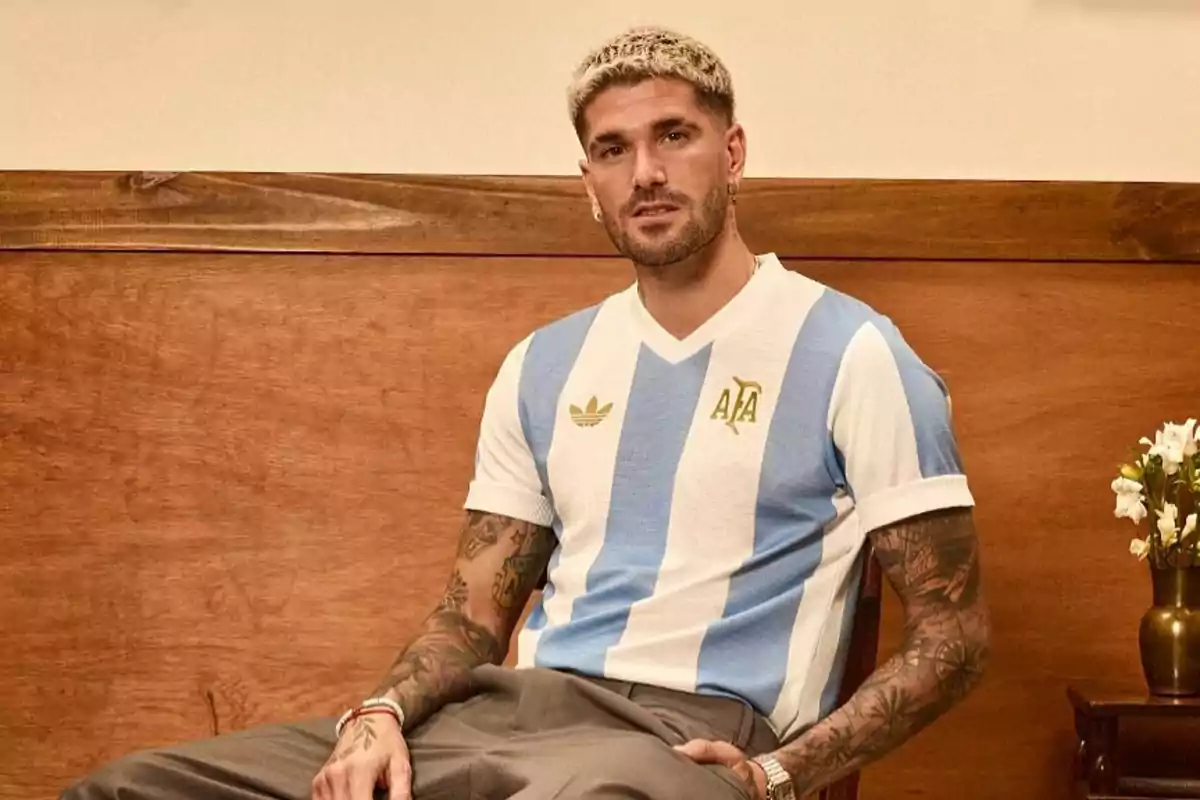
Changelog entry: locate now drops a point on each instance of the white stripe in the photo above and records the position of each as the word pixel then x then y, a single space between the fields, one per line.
pixel 585 458
pixel 818 623
pixel 668 627
pixel 527 641
pixel 505 479
pixel 870 417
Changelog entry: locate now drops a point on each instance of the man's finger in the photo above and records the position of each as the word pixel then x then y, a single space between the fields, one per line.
pixel 362 783
pixel 703 751
pixel 320 786
pixel 399 779
pixel 697 750
pixel 338 782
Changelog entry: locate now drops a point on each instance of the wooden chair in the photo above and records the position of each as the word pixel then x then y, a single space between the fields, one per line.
pixel 864 649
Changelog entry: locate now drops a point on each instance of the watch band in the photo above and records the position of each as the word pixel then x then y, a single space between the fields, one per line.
pixel 779 783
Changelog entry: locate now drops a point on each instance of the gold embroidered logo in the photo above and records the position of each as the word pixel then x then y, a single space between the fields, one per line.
pixel 745 404
pixel 591 416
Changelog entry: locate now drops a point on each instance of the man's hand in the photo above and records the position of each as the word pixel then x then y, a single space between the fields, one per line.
pixel 703 751
pixel 370 753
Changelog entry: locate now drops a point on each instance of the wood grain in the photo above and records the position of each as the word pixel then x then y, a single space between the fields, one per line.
pixel 428 214
pixel 230 482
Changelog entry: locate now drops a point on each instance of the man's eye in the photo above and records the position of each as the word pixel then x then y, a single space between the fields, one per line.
pixel 611 151
pixel 676 136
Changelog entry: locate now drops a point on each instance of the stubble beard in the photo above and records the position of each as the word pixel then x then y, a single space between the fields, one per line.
pixel 699 231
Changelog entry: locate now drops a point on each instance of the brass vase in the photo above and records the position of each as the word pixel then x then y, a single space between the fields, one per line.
pixel 1169 637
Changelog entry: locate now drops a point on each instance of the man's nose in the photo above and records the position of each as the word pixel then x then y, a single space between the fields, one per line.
pixel 649 170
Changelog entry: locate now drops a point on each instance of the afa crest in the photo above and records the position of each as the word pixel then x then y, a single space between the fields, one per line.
pixel 742 407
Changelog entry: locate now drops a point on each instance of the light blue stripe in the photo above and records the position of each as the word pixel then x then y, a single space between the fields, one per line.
pixel 833 684
pixel 662 403
pixel 537 615
pixel 548 362
pixel 937 450
pixel 745 653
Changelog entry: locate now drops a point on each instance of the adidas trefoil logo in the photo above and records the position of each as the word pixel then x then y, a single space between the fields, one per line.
pixel 590 416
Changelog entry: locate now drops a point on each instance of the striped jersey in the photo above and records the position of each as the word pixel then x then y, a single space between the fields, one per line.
pixel 711 494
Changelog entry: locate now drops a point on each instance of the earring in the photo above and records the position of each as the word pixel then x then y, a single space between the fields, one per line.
pixel 733 190
pixel 596 213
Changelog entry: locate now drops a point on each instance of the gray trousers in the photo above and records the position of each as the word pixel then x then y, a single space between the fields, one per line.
pixel 531 734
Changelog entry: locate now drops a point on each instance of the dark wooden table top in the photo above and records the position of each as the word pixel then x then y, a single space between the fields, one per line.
pixel 1130 704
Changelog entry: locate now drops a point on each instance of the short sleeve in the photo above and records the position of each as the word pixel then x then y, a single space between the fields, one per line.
pixel 506 479
pixel 890 420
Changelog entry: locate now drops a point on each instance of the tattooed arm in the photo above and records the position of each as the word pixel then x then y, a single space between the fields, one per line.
pixel 497 567
pixel 932 561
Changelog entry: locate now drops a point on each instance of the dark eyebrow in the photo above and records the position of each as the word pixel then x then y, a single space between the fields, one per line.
pixel 611 137
pixel 660 127
pixel 670 123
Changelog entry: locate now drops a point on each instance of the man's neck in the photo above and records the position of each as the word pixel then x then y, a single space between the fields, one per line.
pixel 683 296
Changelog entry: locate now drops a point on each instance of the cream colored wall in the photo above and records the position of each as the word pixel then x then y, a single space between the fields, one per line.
pixel 1027 89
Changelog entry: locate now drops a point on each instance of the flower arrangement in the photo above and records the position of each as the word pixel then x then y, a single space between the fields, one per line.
pixel 1163 483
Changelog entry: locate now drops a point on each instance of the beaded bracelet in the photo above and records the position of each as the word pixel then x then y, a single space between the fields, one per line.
pixel 372 705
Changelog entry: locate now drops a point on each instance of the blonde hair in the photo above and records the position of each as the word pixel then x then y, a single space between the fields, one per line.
pixel 651 52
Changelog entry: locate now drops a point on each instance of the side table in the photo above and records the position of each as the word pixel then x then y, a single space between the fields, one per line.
pixel 1097 721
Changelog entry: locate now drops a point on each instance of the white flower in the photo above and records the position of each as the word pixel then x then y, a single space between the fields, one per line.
pixel 1140 548
pixel 1179 441
pixel 1168 526
pixel 1160 449
pixel 1129 500
pixel 1124 485
pixel 1173 444
pixel 1189 526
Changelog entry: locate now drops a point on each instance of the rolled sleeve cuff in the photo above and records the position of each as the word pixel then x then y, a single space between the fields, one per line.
pixel 509 501
pixel 900 502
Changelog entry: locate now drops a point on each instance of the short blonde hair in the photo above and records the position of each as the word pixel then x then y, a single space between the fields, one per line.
pixel 651 52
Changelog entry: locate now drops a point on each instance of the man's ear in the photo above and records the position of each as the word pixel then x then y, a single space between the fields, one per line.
pixel 735 151
pixel 585 171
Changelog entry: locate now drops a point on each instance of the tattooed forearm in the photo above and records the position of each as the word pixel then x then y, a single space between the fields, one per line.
pixel 498 563
pixel 436 668
pixel 521 568
pixel 455 596
pixel 483 531
pixel 933 563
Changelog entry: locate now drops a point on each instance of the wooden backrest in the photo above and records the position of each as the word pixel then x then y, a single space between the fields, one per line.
pixel 238 414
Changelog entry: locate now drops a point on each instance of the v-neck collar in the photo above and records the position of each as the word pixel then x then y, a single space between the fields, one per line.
pixel 739 307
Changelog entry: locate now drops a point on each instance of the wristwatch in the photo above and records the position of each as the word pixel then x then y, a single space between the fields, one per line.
pixel 779 783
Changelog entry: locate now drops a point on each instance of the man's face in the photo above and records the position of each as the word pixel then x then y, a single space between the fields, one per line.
pixel 658 166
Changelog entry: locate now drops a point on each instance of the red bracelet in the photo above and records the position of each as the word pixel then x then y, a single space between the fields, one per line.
pixel 354 714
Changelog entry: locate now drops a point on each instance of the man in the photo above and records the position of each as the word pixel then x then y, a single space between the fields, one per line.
pixel 695 464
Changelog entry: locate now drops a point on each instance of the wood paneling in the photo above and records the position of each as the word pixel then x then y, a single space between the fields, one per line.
pixel 549 216
pixel 230 482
